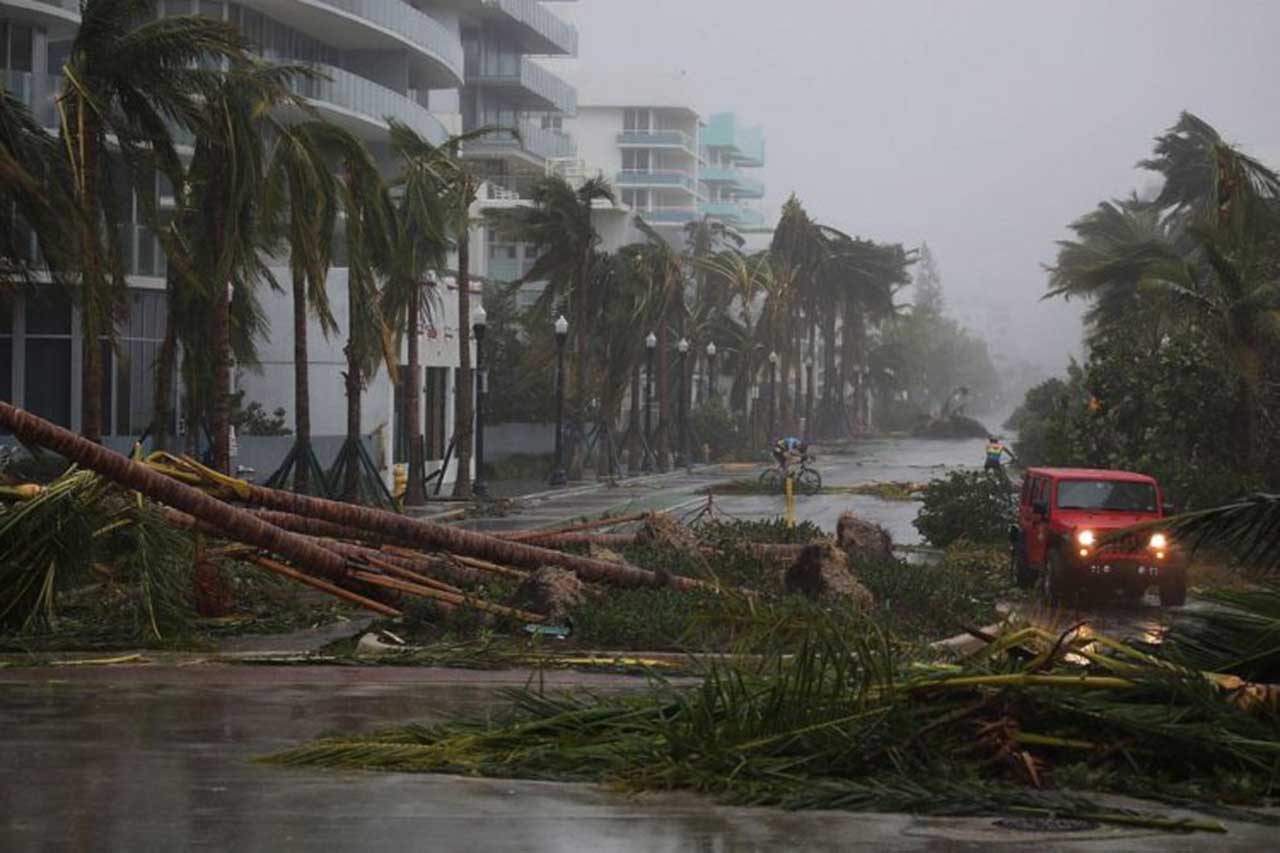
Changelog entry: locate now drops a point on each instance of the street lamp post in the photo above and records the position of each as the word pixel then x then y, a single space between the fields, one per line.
pixel 773 396
pixel 558 477
pixel 650 344
pixel 808 397
pixel 711 371
pixel 682 410
pixel 478 323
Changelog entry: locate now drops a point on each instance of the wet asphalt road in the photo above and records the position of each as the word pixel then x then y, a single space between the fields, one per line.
pixel 161 758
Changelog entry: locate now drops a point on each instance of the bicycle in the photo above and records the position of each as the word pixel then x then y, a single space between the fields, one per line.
pixel 806 479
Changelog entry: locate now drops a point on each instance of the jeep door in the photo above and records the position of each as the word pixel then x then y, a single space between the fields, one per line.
pixel 1035 525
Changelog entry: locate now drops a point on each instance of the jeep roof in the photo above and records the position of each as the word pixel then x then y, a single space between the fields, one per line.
pixel 1090 474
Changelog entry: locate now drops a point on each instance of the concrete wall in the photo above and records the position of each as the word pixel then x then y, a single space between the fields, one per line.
pixel 502 440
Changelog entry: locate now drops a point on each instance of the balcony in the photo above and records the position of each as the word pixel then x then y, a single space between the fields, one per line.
pixel 677 139
pixel 668 215
pixel 729 211
pixel 750 218
pixel 745 187
pixel 435 52
pixel 719 175
pixel 536 144
pixel 532 87
pixel 541 31
pixel 59 17
pixel 657 179
pixel 363 107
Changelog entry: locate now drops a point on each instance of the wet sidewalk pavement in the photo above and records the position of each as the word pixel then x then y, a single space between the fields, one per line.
pixel 114 762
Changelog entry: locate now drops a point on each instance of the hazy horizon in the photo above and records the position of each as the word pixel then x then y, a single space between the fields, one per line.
pixel 983 128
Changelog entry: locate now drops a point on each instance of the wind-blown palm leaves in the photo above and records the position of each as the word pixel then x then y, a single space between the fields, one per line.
pixel 849 720
pixel 34 198
pixel 1202 251
pixel 128 78
pixel 419 252
pixel 301 195
pixel 559 226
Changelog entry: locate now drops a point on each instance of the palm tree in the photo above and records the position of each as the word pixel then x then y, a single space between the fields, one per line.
pixel 34 198
pixel 1203 249
pixel 301 198
pixel 228 171
pixel 559 225
pixel 127 79
pixel 419 250
pixel 664 269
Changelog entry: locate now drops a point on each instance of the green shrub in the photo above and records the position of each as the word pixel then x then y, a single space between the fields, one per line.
pixel 973 505
pixel 642 618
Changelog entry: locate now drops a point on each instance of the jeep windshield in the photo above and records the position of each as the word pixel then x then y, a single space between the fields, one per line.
pixel 1107 496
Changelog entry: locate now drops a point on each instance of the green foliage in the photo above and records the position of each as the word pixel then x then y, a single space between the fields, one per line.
pixel 933 599
pixel 253 419
pixel 1158 407
pixel 519 351
pixel 726 434
pixel 644 618
pixel 929 356
pixel 973 505
pixel 833 715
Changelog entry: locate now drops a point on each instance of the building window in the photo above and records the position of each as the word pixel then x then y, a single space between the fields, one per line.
pixel 636 119
pixel 636 199
pixel 140 339
pixel 47 378
pixel 635 160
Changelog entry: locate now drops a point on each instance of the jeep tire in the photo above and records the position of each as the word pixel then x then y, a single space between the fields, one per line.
pixel 1023 576
pixel 1173 590
pixel 1058 591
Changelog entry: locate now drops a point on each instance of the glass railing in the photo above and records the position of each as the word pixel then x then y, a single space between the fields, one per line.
pixel 649 178
pixel 721 209
pixel 410 23
pixel 669 215
pixel 750 217
pixel 749 187
pixel 65 5
pixel 538 18
pixel 355 94
pixel 531 77
pixel 719 174
pixel 657 138
pixel 535 139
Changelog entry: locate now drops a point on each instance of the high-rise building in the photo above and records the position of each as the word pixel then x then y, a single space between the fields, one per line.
pixel 731 153
pixel 439 66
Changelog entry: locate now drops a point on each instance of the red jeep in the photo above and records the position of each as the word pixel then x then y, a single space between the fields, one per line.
pixel 1060 539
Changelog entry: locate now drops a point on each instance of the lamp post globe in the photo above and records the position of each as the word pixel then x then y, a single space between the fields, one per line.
pixel 479 322
pixel 773 396
pixel 558 477
pixel 682 408
pixel 650 344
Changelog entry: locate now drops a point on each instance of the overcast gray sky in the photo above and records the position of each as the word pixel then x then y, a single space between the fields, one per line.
pixel 981 127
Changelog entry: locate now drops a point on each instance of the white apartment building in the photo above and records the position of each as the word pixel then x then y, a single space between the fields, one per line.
pixel 440 66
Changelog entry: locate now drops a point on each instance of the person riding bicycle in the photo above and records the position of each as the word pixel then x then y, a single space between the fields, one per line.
pixel 788 450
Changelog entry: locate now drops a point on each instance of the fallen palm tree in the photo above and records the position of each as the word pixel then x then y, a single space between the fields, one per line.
pixel 1035 723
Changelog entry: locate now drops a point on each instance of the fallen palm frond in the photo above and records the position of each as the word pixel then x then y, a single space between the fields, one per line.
pixel 1248 529
pixel 1238 634
pixel 849 720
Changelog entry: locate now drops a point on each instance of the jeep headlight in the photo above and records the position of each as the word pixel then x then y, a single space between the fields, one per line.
pixel 1085 537
pixel 1158 541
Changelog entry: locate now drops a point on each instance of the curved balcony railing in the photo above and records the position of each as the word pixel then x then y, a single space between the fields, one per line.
pixel 668 215
pixel 551 92
pixel 657 139
pixel 657 178
pixel 534 139
pixel 532 14
pixel 410 25
pixel 374 104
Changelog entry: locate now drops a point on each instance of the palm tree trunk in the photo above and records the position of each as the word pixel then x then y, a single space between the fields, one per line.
pixel 301 385
pixel 635 440
pixel 236 523
pixel 663 439
pixel 464 414
pixel 220 334
pixel 582 319
pixel 85 143
pixel 91 368
pixel 355 388
pixel 416 487
pixel 166 362
pixel 831 384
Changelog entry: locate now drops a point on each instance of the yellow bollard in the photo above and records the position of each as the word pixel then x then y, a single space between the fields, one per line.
pixel 791 503
pixel 400 480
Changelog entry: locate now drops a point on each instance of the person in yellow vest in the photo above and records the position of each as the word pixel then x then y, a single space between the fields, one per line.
pixel 996 452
